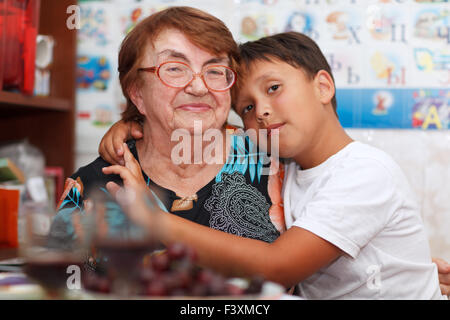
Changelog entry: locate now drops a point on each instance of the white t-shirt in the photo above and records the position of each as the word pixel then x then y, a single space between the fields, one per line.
pixel 360 201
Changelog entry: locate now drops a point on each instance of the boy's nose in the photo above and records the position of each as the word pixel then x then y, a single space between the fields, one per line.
pixel 263 113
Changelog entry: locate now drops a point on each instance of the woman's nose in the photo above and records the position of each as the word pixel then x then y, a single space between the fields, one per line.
pixel 197 86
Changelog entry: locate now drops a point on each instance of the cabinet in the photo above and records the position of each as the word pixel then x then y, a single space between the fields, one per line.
pixel 48 122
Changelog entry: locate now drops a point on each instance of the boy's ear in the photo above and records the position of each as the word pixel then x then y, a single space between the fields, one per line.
pixel 136 97
pixel 325 86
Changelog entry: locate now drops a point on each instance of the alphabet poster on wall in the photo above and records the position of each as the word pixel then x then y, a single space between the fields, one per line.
pixel 390 58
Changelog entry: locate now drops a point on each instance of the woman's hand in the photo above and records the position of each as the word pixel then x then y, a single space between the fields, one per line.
pixel 134 197
pixel 130 172
pixel 444 275
pixel 110 148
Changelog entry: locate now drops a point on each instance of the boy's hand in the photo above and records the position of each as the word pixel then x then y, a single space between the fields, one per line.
pixel 110 148
pixel 444 275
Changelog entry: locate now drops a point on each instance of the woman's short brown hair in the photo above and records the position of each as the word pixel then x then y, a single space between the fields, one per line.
pixel 201 28
pixel 294 48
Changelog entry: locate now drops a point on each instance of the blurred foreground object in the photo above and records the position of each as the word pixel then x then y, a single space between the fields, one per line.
pixel 119 242
pixel 10 172
pixel 173 272
pixel 30 160
pixel 48 266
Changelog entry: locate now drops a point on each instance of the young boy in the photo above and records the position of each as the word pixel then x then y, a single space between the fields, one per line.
pixel 354 228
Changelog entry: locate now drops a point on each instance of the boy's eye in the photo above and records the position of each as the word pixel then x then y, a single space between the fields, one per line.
pixel 273 88
pixel 247 109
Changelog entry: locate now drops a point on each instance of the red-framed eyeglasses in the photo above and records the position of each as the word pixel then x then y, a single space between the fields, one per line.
pixel 177 74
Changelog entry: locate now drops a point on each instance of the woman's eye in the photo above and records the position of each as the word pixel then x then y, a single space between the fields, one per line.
pixel 273 88
pixel 173 69
pixel 215 72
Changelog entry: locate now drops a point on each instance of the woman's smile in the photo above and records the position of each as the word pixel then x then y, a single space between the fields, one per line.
pixel 195 107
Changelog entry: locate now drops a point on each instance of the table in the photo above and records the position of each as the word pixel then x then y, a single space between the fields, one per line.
pixel 8 253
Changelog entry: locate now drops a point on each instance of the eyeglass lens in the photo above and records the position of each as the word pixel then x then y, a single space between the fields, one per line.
pixel 178 75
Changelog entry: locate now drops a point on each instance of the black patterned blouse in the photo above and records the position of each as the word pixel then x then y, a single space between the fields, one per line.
pixel 242 199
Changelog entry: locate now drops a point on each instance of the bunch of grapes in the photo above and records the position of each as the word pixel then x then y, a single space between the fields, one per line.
pixel 173 272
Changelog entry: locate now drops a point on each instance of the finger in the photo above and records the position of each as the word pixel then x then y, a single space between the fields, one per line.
pixel 443 266
pixel 88 206
pixel 115 169
pixel 117 142
pixel 115 156
pixel 112 188
pixel 125 197
pixel 122 133
pixel 139 210
pixel 130 161
pixel 111 155
pixel 133 165
pixel 103 150
pixel 444 278
pixel 119 133
pixel 106 147
pixel 122 171
pixel 136 130
pixel 445 290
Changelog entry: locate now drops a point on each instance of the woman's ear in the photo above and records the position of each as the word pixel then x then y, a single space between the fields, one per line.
pixel 136 97
pixel 325 86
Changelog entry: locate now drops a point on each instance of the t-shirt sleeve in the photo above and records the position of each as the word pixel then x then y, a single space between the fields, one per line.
pixel 351 205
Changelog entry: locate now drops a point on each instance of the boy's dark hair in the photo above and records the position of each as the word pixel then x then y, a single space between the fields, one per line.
pixel 294 48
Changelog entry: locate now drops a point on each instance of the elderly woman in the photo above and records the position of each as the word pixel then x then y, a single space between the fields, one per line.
pixel 176 69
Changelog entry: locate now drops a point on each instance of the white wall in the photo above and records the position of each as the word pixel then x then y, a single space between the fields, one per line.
pixel 424 156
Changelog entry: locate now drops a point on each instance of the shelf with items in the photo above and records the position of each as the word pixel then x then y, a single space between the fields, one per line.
pixel 48 122
pixel 10 100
